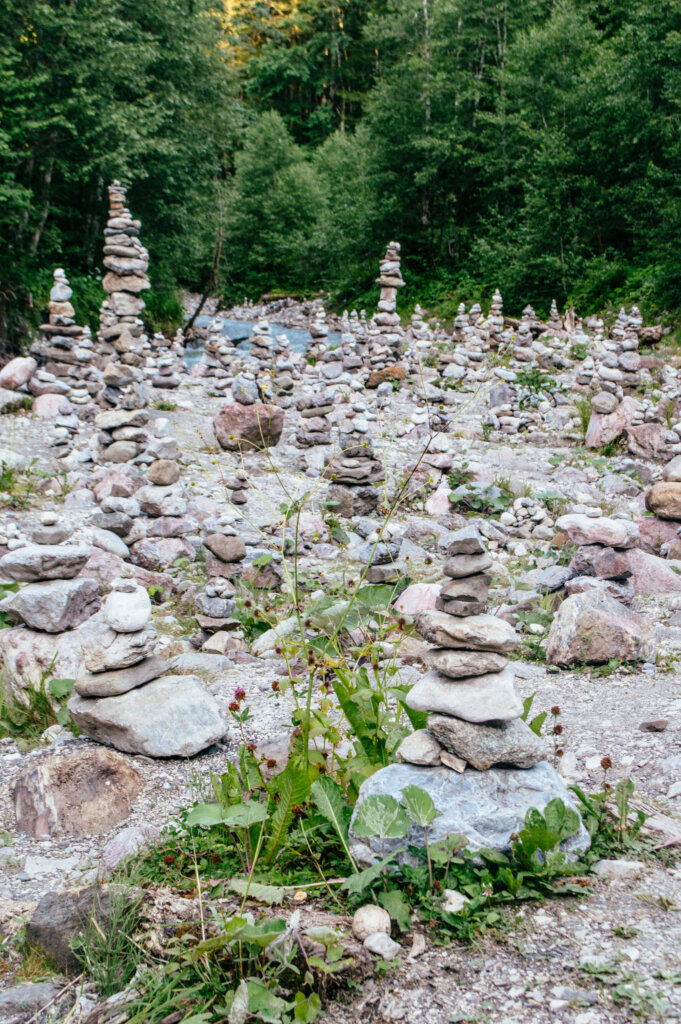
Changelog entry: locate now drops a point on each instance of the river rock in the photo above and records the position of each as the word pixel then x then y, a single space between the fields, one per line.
pixel 466 541
pixel 257 426
pixel 106 649
pixel 163 472
pixel 74 792
pixel 477 632
pixel 484 698
pixel 663 499
pixel 61 916
pixel 616 533
pixel 466 565
pixel 484 746
pixel 161 501
pixel 17 372
pixel 672 471
pixel 227 549
pixel 174 716
pixel 128 610
pixel 420 748
pixel 110 684
pixel 593 627
pixel 458 664
pixel 54 606
pixel 487 808
pixel 44 562
pixel 603 429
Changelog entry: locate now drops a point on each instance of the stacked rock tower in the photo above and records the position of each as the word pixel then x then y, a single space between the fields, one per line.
pixel 64 350
pixel 474 712
pixel 121 332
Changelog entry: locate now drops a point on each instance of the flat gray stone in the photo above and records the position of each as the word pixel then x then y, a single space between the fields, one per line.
pixel 44 562
pixel 466 565
pixel 54 606
pixel 485 698
pixel 111 684
pixel 466 541
pixel 27 999
pixel 174 716
pixel 485 807
pixel 459 664
pixel 483 746
pixel 476 632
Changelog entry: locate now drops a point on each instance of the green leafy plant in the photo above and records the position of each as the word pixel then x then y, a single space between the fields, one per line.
pixel 26 717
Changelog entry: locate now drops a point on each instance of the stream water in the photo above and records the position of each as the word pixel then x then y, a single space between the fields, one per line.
pixel 240 331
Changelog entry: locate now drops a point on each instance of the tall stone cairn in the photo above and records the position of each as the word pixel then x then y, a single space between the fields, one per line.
pixel 121 332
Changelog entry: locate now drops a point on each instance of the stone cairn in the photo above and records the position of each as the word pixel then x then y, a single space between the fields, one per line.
pixel 64 351
pixel 494 325
pixel 55 598
pixel 121 333
pixel 262 347
pixel 164 362
pixel 350 349
pixel 355 471
pixel 314 426
pixel 474 712
pixel 385 332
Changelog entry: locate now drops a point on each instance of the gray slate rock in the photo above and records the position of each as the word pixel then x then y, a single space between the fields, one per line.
pixel 54 606
pixel 465 542
pixel 483 746
pixel 44 562
pixel 485 807
pixel 593 627
pixel 26 999
pixel 61 916
pixel 458 664
pixel 485 698
pixel 174 716
pixel 461 565
pixel 113 683
pixel 107 650
pixel 476 632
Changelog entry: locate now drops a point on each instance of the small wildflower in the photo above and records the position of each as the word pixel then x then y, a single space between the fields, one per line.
pixel 606 763
pixel 239 693
pixel 555 710
pixel 557 729
pixel 234 705
pixel 279 650
pixel 275 685
pixel 250 747
pixel 271 763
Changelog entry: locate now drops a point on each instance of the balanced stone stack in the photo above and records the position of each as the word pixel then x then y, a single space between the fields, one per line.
pixel 314 425
pixel 350 349
pixel 262 346
pixel 55 598
pixel 355 471
pixel 121 436
pixel 602 560
pixel 121 332
pixel 164 362
pixel 494 325
pixel 385 333
pixel 285 372
pixel 483 767
pixel 522 349
pixel 319 329
pixel 555 327
pixel 64 351
pixel 122 696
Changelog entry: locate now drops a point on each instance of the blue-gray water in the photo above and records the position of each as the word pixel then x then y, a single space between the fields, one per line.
pixel 235 329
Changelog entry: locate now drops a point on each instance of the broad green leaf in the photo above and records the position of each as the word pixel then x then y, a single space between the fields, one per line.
pixel 270 894
pixel 263 1003
pixel 324 935
pixel 292 786
pixel 357 884
pixel 263 932
pixel 381 815
pixel 205 814
pixel 328 798
pixel 61 688
pixel 419 805
pixel 262 561
pixel 329 967
pixel 396 904
pixel 561 819
pixel 245 814
pixel 306 1009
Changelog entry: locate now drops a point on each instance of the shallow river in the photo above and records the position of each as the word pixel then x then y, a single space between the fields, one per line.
pixel 241 329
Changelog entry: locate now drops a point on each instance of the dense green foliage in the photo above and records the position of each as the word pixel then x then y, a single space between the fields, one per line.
pixel 532 146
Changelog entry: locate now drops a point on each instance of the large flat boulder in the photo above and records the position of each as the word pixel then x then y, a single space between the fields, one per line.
pixel 44 562
pixel 54 606
pixel 592 628
pixel 82 791
pixel 485 807
pixel 174 716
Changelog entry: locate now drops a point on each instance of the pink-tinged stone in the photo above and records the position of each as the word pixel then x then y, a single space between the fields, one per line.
pixel 655 532
pixel 652 575
pixel 48 407
pixel 646 441
pixel 198 370
pixel 254 426
pixel 312 527
pixel 438 503
pixel 161 553
pixel 120 481
pixel 419 597
pixel 17 372
pixel 603 429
